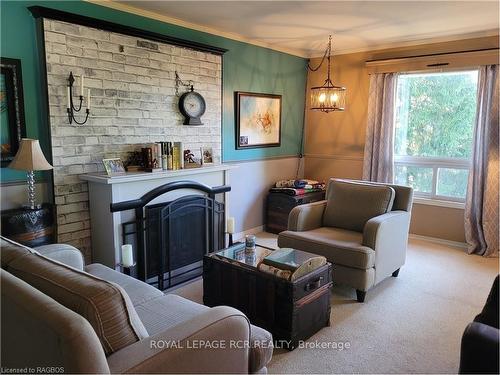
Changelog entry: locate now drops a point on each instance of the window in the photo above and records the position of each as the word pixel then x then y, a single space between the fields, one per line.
pixel 434 126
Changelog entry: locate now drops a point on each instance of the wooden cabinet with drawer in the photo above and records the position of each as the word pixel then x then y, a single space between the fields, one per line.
pixel 279 205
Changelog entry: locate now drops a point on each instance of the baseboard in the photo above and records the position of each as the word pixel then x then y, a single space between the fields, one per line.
pixel 440 241
pixel 240 235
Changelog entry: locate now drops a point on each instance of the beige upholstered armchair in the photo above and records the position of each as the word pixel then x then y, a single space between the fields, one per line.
pixel 361 228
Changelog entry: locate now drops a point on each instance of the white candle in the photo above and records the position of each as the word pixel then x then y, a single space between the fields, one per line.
pixel 81 86
pixel 127 256
pixel 68 93
pixel 88 99
pixel 230 225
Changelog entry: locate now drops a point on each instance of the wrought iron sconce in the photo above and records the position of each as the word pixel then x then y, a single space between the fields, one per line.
pixel 70 107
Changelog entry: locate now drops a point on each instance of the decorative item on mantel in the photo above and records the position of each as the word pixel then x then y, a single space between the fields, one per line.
pixel 328 97
pixel 30 158
pixel 70 107
pixel 191 104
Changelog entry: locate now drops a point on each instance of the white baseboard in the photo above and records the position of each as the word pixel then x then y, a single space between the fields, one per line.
pixel 440 241
pixel 240 235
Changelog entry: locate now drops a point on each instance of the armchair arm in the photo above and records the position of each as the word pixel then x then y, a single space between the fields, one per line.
pixel 63 253
pixel 306 217
pixel 479 349
pixel 185 348
pixel 387 234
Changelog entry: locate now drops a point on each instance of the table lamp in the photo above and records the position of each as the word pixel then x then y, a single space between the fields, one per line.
pixel 30 158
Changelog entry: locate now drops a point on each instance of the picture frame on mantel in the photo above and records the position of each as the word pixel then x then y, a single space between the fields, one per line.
pixel 258 120
pixel 13 125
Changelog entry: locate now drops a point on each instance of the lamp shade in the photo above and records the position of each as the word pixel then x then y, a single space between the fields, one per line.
pixel 30 157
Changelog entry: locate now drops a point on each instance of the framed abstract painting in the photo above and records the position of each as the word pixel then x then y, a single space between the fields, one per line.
pixel 12 123
pixel 258 120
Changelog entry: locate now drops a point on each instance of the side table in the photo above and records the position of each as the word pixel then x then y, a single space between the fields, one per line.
pixel 279 205
pixel 29 227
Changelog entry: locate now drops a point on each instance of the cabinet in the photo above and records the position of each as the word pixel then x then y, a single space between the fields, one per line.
pixel 279 205
pixel 29 227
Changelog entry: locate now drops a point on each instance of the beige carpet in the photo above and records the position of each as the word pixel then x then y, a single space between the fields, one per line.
pixel 409 324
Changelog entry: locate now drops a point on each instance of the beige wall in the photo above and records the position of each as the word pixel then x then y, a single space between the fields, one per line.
pixel 335 141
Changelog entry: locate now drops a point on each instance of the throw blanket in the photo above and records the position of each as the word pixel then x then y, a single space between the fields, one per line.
pixel 293 192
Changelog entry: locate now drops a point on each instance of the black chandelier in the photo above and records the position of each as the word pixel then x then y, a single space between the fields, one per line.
pixel 328 97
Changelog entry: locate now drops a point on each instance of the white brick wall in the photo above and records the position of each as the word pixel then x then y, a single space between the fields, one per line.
pixel 133 103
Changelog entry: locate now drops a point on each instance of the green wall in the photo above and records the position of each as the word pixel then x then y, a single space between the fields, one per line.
pixel 246 68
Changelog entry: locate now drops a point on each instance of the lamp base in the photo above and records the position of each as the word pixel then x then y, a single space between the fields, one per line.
pixel 28 206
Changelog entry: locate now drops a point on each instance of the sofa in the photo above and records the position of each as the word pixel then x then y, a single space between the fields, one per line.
pixel 59 315
pixel 479 353
pixel 361 228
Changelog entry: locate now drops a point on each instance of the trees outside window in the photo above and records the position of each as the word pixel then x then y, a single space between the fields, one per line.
pixel 434 126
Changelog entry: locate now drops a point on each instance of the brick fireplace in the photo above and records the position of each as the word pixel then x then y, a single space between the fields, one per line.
pixel 133 102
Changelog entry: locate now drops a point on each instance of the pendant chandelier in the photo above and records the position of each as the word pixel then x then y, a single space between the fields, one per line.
pixel 328 97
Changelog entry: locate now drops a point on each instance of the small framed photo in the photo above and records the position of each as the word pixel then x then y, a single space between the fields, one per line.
pixel 114 166
pixel 207 156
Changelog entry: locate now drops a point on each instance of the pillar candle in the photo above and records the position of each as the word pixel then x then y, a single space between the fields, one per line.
pixel 230 225
pixel 88 99
pixel 68 93
pixel 127 256
pixel 81 86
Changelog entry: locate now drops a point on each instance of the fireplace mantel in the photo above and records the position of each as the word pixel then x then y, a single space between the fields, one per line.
pixel 103 178
pixel 106 226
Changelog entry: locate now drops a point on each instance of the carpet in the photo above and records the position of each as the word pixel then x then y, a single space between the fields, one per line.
pixel 410 324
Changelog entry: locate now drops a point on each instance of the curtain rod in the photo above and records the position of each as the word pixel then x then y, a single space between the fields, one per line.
pixel 432 54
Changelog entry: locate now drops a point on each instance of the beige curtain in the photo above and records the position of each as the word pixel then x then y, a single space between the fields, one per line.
pixel 482 205
pixel 378 162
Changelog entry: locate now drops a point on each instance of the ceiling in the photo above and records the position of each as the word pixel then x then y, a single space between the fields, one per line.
pixel 302 27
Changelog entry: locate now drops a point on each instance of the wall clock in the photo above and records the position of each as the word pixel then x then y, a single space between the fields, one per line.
pixel 192 106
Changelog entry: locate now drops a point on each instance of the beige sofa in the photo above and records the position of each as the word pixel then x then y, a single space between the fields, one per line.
pixel 61 316
pixel 361 228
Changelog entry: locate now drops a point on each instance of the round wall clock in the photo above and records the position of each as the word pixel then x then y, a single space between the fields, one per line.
pixel 192 106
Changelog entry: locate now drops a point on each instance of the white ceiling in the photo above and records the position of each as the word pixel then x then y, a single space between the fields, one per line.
pixel 302 27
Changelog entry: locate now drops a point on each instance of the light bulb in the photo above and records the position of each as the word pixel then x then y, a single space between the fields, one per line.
pixel 334 97
pixel 322 98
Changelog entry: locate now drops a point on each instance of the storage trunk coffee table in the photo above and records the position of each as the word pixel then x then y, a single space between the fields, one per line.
pixel 291 310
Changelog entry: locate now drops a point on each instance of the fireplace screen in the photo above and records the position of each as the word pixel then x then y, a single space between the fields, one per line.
pixel 172 237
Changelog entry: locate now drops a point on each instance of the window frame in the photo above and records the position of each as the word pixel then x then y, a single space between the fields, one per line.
pixel 435 163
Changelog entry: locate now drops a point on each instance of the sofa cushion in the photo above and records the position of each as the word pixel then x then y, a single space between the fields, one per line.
pixel 339 246
pixel 351 204
pixel 167 311
pixel 104 304
pixel 162 313
pixel 138 291
pixel 11 250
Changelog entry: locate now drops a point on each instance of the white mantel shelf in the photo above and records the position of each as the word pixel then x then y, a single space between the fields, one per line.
pixel 103 178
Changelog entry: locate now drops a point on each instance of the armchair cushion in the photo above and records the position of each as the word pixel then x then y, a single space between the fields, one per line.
pixel 105 305
pixel 339 246
pixel 351 204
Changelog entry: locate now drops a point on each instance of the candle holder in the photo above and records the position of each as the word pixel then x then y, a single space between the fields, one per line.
pixel 230 238
pixel 126 269
pixel 71 109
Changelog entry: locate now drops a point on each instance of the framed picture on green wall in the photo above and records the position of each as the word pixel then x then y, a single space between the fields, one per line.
pixel 258 120
pixel 12 123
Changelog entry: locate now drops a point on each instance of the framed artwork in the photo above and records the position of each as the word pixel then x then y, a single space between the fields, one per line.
pixel 113 166
pixel 258 120
pixel 13 126
pixel 207 155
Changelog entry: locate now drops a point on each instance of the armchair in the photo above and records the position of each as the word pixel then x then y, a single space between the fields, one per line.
pixel 361 227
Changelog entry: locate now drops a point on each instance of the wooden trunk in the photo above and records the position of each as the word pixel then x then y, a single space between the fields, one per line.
pixel 291 311
pixel 279 205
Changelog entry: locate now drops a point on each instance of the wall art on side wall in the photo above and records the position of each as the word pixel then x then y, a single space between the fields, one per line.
pixel 258 120
pixel 12 123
